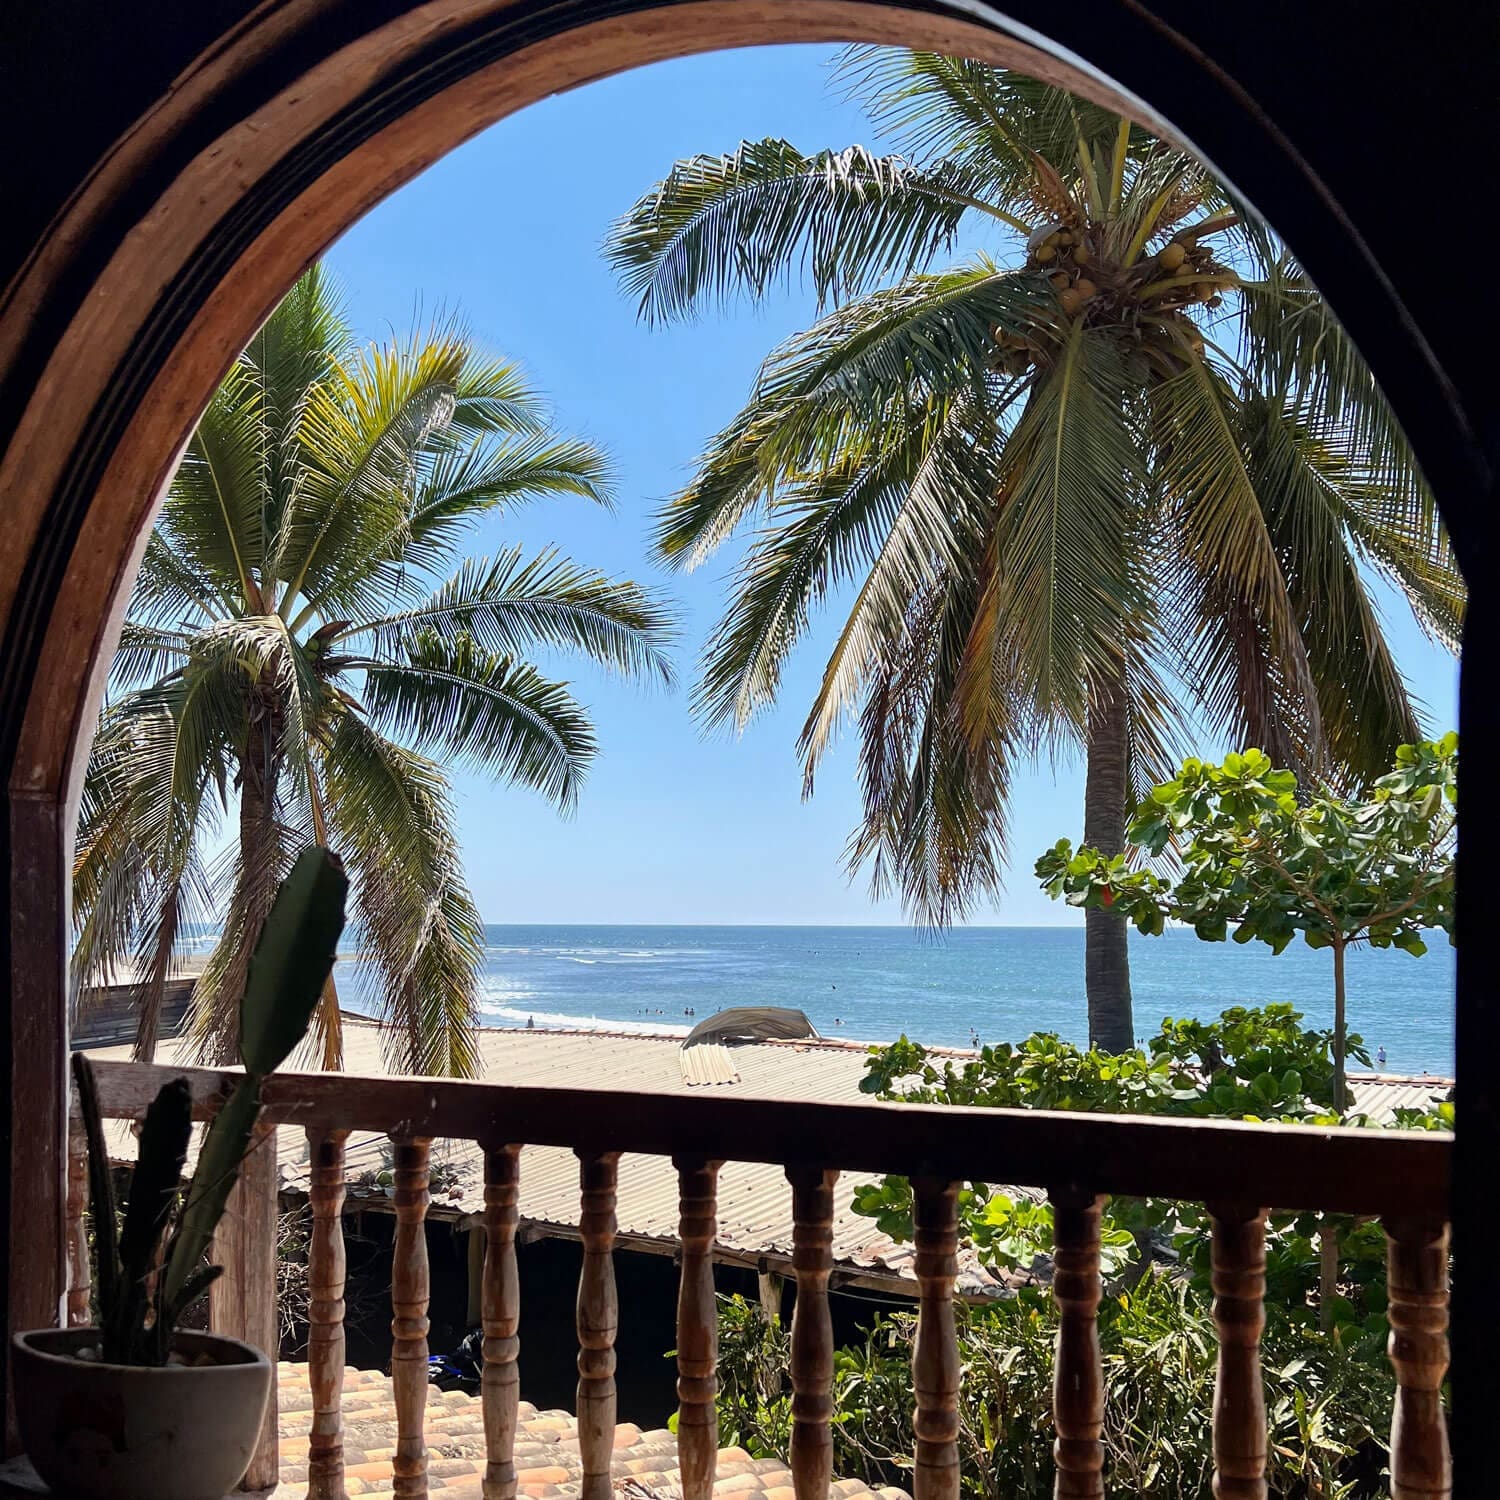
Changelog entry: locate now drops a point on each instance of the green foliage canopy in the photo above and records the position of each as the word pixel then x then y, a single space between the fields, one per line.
pixel 1330 1399
pixel 1126 455
pixel 1252 1063
pixel 1342 871
pixel 307 640
pixel 1255 856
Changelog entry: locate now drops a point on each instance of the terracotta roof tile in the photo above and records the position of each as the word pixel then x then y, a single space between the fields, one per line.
pixel 547 1457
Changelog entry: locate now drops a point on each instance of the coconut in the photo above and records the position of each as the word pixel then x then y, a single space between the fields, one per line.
pixel 1059 279
pixel 1045 252
pixel 1081 255
pixel 1042 234
pixel 1171 256
pixel 1085 288
pixel 1070 301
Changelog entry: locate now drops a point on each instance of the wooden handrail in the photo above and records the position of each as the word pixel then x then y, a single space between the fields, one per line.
pixel 1234 1168
pixel 1345 1170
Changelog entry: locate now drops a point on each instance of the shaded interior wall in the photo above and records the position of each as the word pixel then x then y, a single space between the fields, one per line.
pixel 646 1377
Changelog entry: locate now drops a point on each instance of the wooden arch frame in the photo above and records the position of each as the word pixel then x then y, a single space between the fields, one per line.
pixel 297 119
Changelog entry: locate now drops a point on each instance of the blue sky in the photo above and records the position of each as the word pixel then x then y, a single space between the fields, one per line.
pixel 672 827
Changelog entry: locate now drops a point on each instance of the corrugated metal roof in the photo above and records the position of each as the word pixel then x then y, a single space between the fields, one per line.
pixel 755 1216
pixel 706 1062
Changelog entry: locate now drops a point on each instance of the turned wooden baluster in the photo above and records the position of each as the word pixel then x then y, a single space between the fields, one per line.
pixel 410 1285
pixel 934 1362
pixel 1078 1382
pixel 1239 1281
pixel 325 1314
pixel 1417 1283
pixel 812 1331
pixel 77 1234
pixel 598 1321
pixel 500 1311
pixel 697 1328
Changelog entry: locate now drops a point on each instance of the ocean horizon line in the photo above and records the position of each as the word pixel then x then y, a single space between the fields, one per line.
pixel 825 926
pixel 878 981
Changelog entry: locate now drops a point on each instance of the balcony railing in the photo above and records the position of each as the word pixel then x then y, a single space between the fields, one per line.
pixel 1238 1171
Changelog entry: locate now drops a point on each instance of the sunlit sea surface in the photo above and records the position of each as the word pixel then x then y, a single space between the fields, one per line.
pixel 874 983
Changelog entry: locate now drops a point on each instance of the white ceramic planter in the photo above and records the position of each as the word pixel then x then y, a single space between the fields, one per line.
pixel 120 1432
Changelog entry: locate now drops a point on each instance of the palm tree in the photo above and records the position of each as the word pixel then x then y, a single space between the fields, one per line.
pixel 1125 467
pixel 299 633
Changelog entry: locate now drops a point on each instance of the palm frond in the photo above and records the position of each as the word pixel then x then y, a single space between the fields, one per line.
pixel 491 399
pixel 829 395
pixel 485 709
pixel 718 226
pixel 361 436
pixel 948 489
pixel 212 516
pixel 415 919
pixel 934 820
pixel 1017 137
pixel 463 484
pixel 1066 531
pixel 929 336
pixel 296 350
pixel 147 653
pixel 1364 707
pixel 1230 559
pixel 169 592
pixel 511 604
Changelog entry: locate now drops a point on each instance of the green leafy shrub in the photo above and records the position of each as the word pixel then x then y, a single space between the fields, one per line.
pixel 1327 1402
pixel 1329 1389
pixel 1252 1063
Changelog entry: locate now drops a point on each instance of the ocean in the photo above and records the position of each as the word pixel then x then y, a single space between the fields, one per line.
pixel 876 983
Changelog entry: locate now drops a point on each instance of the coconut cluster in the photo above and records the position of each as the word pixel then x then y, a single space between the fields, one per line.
pixel 1196 275
pixel 1151 295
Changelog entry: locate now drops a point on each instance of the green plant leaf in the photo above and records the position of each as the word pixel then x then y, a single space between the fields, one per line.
pixel 292 960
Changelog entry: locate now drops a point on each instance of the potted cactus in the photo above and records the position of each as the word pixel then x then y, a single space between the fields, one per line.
pixel 139 1408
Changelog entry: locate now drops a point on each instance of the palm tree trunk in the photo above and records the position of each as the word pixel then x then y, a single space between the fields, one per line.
pixel 1328 1243
pixel 328 1023
pixel 153 994
pixel 1340 1042
pixel 1106 954
pixel 255 884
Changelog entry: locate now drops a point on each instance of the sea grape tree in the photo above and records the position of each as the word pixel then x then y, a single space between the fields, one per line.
pixel 1256 858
